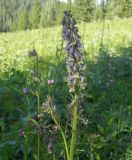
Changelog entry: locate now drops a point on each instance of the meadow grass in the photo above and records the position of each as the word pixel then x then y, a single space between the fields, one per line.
pixel 117 32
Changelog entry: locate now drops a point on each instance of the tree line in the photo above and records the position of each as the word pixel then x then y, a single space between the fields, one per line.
pixel 32 14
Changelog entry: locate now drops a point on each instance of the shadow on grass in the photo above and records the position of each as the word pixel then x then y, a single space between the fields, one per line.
pixel 109 83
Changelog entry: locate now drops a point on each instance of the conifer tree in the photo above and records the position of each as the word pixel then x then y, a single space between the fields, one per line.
pixel 49 13
pixel 23 22
pixel 85 9
pixel 35 13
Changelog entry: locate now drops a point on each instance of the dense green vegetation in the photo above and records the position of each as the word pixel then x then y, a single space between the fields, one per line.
pixel 31 14
pixel 105 115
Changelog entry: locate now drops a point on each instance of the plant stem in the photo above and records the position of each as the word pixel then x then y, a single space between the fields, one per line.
pixel 28 108
pixel 38 146
pixel 38 135
pixel 63 135
pixel 26 137
pixel 38 106
pixel 74 130
pixel 25 152
pixel 54 157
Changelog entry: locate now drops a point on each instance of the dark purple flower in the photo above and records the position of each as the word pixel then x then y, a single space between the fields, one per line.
pixel 71 65
pixel 68 46
pixel 77 54
pixel 81 65
pixel 74 50
pixel 67 35
pixel 22 132
pixel 25 91
pixel 78 44
pixel 68 13
pixel 71 50
pixel 33 53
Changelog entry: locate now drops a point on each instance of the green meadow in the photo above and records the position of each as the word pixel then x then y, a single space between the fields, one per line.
pixel 105 118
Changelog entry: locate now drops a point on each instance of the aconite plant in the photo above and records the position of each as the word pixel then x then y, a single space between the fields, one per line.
pixel 75 68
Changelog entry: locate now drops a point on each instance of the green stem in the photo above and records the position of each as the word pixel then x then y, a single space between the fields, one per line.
pixel 38 106
pixel 37 65
pixel 54 157
pixel 26 137
pixel 38 146
pixel 38 102
pixel 26 147
pixel 28 107
pixel 74 130
pixel 38 135
pixel 63 135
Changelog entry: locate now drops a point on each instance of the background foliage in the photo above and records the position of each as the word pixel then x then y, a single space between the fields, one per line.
pixel 31 14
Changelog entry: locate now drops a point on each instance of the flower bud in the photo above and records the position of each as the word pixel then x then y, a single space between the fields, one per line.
pixel 33 53
pixel 22 132
pixel 51 82
pixel 25 91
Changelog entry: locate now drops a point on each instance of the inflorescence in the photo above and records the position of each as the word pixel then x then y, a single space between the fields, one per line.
pixel 74 50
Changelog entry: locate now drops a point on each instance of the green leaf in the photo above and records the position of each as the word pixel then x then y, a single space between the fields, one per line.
pixel 35 157
pixel 101 129
pixel 97 156
pixel 2 125
pixel 3 144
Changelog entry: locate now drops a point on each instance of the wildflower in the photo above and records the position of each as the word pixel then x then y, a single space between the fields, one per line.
pixel 33 53
pixel 110 75
pixel 54 129
pixel 48 105
pixel 51 82
pixel 33 73
pixel 49 137
pixel 38 117
pixel 75 65
pixel 22 132
pixel 67 35
pixel 25 91
pixel 50 145
pixel 39 128
pixel 71 50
